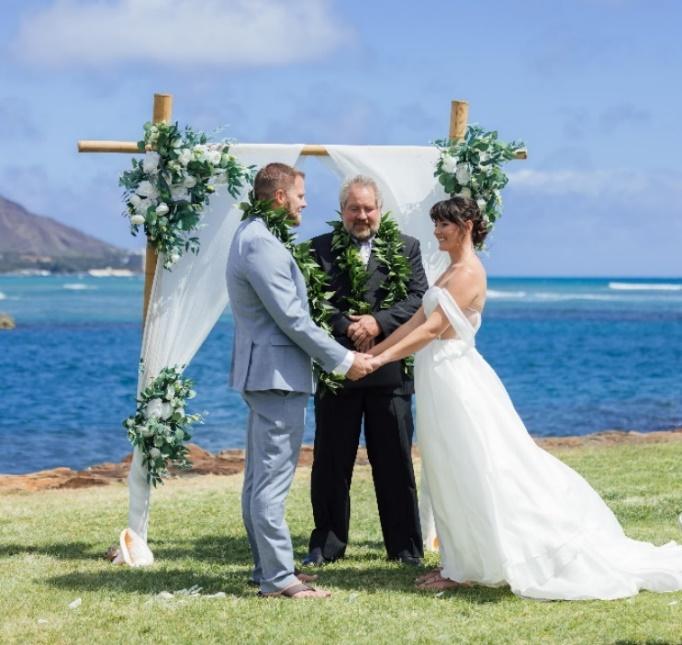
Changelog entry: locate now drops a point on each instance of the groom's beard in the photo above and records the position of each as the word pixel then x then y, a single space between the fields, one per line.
pixel 294 218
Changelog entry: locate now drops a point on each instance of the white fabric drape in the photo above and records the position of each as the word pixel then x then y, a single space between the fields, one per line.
pixel 187 301
pixel 409 189
pixel 405 177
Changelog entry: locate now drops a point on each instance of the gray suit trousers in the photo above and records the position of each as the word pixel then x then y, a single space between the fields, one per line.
pixel 274 435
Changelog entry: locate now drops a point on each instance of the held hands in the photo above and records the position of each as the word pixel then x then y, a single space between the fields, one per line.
pixel 362 331
pixel 360 368
pixel 363 364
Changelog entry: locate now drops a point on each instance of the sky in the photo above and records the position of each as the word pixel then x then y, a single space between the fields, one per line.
pixel 592 87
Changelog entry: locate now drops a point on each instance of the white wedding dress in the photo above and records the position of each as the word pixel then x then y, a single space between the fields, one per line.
pixel 506 511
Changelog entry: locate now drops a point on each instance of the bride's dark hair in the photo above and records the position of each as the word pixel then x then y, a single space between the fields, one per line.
pixel 459 210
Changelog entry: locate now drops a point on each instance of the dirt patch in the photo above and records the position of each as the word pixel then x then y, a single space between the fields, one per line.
pixel 230 462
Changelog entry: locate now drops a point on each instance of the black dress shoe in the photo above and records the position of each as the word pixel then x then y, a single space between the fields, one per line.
pixel 314 558
pixel 409 560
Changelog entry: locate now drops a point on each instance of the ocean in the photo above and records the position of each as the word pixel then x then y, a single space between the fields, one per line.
pixel 577 356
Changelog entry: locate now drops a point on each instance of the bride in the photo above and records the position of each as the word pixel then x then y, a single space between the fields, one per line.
pixel 506 511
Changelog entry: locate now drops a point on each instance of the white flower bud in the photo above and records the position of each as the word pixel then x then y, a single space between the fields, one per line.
pixel 162 208
pixel 137 220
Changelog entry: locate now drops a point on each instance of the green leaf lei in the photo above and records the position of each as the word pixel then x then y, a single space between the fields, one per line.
pixel 387 248
pixel 278 223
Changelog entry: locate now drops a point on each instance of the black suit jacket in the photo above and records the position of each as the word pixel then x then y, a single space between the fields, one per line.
pixel 390 377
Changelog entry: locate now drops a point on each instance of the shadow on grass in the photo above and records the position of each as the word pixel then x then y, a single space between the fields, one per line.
pixel 153 581
pixel 179 562
pixel 61 551
pixel 380 577
pixel 216 548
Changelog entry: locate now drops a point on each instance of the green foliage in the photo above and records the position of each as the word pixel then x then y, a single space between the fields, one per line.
pixel 471 167
pixel 167 191
pixel 159 426
pixel 387 247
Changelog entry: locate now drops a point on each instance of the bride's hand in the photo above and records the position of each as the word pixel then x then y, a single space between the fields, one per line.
pixel 376 362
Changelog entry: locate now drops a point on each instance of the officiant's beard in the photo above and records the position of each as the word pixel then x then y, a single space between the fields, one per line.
pixel 362 231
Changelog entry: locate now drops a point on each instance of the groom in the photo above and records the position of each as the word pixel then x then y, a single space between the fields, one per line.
pixel 274 341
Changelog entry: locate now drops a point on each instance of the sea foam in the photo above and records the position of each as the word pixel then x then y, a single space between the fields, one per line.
pixel 644 286
pixel 77 286
pixel 506 295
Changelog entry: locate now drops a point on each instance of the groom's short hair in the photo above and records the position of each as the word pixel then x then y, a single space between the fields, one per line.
pixel 272 177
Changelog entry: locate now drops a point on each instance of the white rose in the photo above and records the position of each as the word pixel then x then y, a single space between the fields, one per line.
pixel 185 156
pixel 138 220
pixel 162 208
pixel 190 182
pixel 180 410
pixel 166 410
pixel 449 163
pixel 153 409
pixel 483 157
pixel 200 151
pixel 150 164
pixel 179 194
pixel 213 156
pixel 135 201
pixel 154 453
pixel 465 192
pixel 174 257
pixel 177 142
pixel 146 189
pixel 462 174
pixel 481 203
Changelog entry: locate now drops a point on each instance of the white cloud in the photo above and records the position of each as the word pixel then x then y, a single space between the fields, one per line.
pixel 595 183
pixel 217 33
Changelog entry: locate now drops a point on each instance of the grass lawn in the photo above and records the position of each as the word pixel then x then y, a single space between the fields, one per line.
pixel 51 545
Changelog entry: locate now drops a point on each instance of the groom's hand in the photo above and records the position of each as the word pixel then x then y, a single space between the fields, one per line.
pixel 360 368
pixel 363 330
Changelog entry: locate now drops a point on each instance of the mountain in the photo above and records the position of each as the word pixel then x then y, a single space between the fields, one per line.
pixel 34 242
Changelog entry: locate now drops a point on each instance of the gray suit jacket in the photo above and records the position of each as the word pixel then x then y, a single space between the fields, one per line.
pixel 274 337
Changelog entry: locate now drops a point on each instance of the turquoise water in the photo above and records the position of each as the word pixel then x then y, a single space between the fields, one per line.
pixel 577 356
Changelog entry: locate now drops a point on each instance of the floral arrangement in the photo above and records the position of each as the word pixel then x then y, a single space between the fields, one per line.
pixel 159 425
pixel 471 167
pixel 167 190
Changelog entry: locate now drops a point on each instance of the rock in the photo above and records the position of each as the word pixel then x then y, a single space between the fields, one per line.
pixel 231 462
pixel 7 322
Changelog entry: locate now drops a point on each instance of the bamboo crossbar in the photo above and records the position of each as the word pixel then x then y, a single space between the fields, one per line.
pixel 130 147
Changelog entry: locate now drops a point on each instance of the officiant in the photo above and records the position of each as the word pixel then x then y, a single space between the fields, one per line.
pixel 378 280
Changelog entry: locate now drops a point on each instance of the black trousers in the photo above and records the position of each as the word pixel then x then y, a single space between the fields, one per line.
pixel 388 435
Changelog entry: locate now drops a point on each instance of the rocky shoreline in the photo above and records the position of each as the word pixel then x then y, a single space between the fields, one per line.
pixel 231 462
